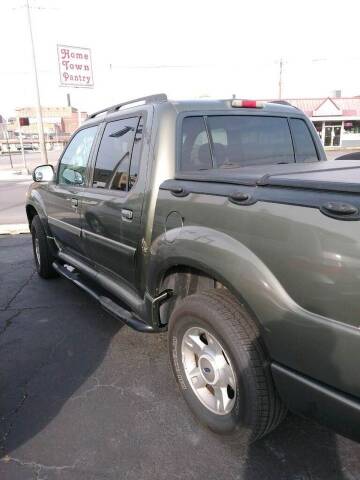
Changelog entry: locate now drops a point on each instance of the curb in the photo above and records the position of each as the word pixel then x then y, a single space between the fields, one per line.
pixel 14 229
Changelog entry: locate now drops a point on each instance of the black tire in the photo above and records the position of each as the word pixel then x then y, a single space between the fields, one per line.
pixel 257 407
pixel 44 258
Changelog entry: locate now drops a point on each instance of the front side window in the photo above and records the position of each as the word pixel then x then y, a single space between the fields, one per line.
pixel 305 150
pixel 113 158
pixel 73 163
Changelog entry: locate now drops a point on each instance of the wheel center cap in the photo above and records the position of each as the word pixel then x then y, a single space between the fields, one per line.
pixel 207 369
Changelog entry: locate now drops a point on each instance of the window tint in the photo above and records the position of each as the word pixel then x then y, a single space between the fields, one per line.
pixel 250 140
pixel 76 156
pixel 113 158
pixel 195 153
pixel 305 150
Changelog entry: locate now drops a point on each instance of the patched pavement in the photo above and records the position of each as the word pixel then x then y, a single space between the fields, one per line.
pixel 83 397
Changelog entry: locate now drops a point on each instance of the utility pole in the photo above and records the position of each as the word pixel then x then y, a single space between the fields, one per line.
pixel 44 158
pixel 280 78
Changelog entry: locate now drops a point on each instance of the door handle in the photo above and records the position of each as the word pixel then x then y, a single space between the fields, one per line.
pixel 127 214
pixel 74 202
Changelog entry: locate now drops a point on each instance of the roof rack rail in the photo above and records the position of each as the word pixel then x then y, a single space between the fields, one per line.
pixel 285 102
pixel 157 98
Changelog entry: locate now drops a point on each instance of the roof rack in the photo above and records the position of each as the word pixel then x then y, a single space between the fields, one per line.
pixel 157 98
pixel 284 102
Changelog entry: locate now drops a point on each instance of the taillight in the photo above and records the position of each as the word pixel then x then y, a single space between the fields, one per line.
pixel 247 104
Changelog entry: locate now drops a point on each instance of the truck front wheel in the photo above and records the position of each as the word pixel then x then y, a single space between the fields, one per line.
pixel 220 364
pixel 42 254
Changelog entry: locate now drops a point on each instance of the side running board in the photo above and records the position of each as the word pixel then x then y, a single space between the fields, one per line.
pixel 113 308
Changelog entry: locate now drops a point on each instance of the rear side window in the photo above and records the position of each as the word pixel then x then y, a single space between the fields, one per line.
pixel 113 158
pixel 234 140
pixel 305 150
pixel 195 152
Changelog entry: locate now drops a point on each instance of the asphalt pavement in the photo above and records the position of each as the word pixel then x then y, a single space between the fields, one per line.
pixel 83 397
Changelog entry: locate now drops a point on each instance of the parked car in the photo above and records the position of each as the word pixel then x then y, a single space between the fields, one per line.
pixel 222 223
pixel 349 156
pixel 27 146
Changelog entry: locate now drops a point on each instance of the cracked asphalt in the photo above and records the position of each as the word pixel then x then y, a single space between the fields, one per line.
pixel 83 397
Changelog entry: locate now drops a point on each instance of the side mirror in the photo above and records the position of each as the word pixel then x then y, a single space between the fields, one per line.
pixel 44 173
pixel 72 176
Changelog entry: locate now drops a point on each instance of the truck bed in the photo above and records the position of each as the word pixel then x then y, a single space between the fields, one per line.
pixel 336 176
pixel 300 221
pixel 331 187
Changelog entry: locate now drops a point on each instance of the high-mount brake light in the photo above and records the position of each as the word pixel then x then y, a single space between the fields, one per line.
pixel 247 104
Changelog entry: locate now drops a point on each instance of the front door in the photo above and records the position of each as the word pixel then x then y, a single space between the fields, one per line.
pixel 112 204
pixel 63 200
pixel 332 136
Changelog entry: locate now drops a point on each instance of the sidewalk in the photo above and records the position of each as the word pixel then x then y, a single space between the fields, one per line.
pixel 14 175
pixel 14 229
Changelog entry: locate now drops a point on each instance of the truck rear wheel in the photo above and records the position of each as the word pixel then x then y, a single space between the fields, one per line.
pixel 42 253
pixel 221 365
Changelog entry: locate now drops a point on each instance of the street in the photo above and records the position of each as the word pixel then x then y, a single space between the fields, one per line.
pixel 32 159
pixel 83 397
pixel 13 188
pixel 12 201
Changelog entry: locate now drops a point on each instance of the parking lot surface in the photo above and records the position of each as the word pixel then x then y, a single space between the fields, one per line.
pixel 83 397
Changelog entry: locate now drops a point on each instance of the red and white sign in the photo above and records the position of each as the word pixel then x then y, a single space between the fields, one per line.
pixel 75 67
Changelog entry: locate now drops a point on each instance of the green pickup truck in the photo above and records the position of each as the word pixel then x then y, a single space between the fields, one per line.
pixel 223 223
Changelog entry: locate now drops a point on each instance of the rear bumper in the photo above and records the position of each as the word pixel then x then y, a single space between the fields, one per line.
pixel 310 398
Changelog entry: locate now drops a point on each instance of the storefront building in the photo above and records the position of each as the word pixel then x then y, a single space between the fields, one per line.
pixel 336 119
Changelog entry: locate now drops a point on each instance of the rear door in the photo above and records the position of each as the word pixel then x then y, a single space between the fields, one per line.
pixel 63 200
pixel 113 202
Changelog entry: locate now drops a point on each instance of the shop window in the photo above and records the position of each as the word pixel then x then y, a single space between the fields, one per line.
pixel 352 126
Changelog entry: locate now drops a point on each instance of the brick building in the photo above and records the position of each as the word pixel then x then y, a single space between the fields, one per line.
pixel 58 122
